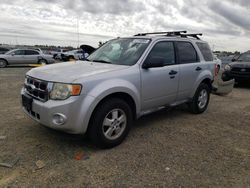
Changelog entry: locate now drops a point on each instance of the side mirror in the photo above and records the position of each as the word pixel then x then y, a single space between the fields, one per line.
pixel 233 60
pixel 153 62
pixel 12 54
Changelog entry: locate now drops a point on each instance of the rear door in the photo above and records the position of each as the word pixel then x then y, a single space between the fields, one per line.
pixel 31 56
pixel 160 85
pixel 16 57
pixel 190 68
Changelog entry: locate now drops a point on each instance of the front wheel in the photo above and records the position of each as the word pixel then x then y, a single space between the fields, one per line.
pixel 200 100
pixel 110 123
pixel 3 63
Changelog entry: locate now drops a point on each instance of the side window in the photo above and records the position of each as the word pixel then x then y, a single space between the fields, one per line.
pixel 31 52
pixel 205 51
pixel 165 51
pixel 19 52
pixel 187 53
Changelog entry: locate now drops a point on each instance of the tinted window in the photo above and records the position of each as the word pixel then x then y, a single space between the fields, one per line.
pixel 187 53
pixel 205 51
pixel 31 52
pixel 244 57
pixel 165 51
pixel 19 52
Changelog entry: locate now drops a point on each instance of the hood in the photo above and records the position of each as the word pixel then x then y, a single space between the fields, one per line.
pixel 240 64
pixel 68 72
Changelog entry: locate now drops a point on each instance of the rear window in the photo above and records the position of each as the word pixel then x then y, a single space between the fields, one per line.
pixel 31 52
pixel 187 53
pixel 205 51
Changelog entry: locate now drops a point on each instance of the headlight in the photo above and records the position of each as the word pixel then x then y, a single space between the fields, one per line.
pixel 227 67
pixel 63 91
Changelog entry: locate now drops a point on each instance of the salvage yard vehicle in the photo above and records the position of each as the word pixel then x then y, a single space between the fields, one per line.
pixel 73 54
pixel 239 69
pixel 122 80
pixel 24 56
pixel 57 53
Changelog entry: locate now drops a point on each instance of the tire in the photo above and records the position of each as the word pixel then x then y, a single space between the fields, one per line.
pixel 106 119
pixel 3 63
pixel 43 62
pixel 200 100
pixel 71 58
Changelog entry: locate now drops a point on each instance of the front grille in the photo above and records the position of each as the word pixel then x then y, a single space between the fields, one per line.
pixel 237 69
pixel 36 88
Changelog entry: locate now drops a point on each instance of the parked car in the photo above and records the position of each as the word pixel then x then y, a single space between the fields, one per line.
pixel 122 80
pixel 239 69
pixel 73 54
pixel 24 56
pixel 57 53
pixel 3 50
pixel 228 59
pixel 222 84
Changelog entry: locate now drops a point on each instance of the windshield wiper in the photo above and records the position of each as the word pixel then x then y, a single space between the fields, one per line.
pixel 101 61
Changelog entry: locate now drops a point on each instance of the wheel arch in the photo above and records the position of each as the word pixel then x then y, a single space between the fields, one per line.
pixel 204 78
pixel 120 95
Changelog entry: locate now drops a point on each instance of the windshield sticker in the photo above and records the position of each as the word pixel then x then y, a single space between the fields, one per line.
pixel 141 41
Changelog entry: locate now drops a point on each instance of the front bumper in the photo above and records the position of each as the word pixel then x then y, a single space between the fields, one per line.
pixel 72 109
pixel 239 76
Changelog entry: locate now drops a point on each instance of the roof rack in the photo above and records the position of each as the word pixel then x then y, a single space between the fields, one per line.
pixel 173 34
pixel 194 35
pixel 168 33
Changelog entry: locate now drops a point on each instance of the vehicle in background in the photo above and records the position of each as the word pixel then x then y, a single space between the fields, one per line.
pixel 72 55
pixel 57 53
pixel 222 84
pixel 24 56
pixel 87 49
pixel 3 50
pixel 228 59
pixel 239 69
pixel 79 54
pixel 121 81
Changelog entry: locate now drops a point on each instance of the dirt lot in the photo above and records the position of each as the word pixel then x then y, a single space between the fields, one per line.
pixel 171 148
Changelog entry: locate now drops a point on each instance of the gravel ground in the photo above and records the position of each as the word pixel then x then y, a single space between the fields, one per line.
pixel 170 148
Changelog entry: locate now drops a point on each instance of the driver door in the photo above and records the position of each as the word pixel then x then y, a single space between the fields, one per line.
pixel 160 84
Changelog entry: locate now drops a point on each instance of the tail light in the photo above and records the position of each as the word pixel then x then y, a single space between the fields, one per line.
pixel 216 69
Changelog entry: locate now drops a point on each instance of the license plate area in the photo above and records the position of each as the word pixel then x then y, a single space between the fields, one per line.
pixel 27 102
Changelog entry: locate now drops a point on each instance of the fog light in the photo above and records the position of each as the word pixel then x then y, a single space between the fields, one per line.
pixel 59 119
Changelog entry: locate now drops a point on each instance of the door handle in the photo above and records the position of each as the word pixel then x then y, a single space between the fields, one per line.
pixel 198 68
pixel 172 72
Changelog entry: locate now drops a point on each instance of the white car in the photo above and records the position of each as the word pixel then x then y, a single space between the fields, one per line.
pixel 74 54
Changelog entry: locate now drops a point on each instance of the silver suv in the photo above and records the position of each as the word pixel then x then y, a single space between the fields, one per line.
pixel 121 81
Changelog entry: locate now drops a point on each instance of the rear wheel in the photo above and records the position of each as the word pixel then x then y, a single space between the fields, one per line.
pixel 3 63
pixel 200 100
pixel 43 62
pixel 71 58
pixel 110 123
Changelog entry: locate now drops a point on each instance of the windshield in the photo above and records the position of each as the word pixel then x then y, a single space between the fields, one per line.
pixel 121 51
pixel 244 57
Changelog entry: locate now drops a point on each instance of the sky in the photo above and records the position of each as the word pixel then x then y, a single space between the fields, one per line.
pixel 225 24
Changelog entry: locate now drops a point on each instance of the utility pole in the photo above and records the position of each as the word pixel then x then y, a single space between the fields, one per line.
pixel 77 25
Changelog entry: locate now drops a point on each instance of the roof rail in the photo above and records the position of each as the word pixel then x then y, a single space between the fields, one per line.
pixel 194 35
pixel 183 34
pixel 168 33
